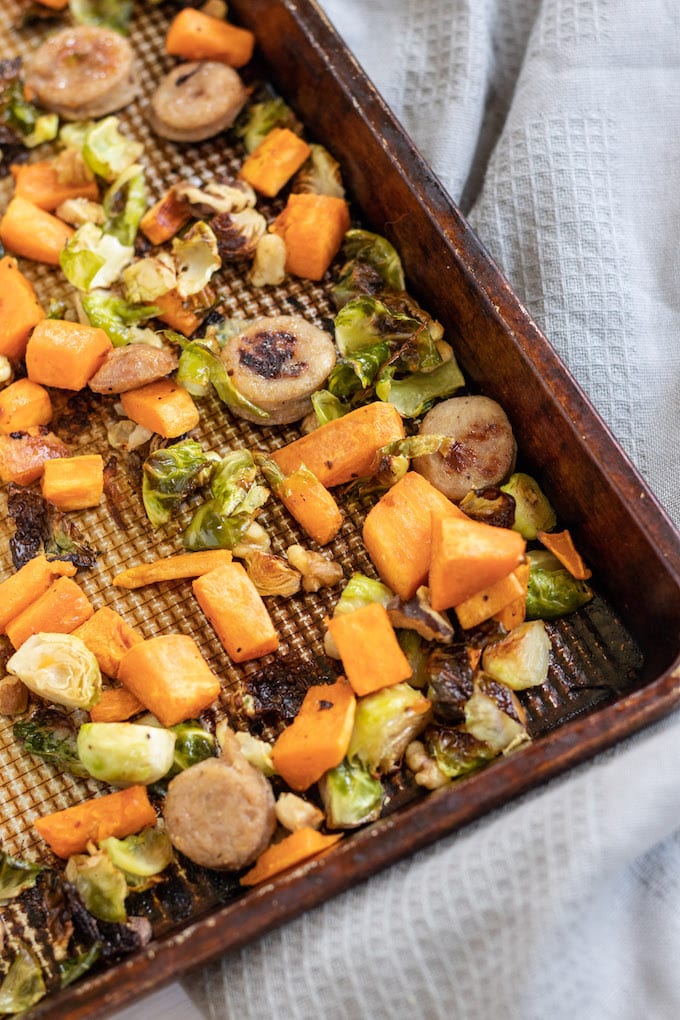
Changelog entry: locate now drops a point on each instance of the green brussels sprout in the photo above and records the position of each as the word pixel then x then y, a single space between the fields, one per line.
pixel 106 151
pixel 373 266
pixel 193 743
pixel 327 407
pixel 124 754
pixel 553 591
pixel 416 651
pixel 533 512
pixel 141 856
pixel 92 258
pixel 74 967
pixel 221 521
pixel 520 659
pixel 358 370
pixel 115 14
pixel 258 119
pixel 100 884
pixel 414 394
pixel 170 475
pixel 118 318
pixel 20 118
pixel 384 725
pixel 50 734
pixel 15 876
pixel 494 716
pixel 23 984
pixel 125 203
pixel 360 591
pixel 366 321
pixel 456 751
pixel 351 796
pixel 200 368
pixel 60 668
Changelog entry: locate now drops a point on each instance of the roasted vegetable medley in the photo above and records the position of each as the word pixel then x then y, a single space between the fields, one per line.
pixel 354 428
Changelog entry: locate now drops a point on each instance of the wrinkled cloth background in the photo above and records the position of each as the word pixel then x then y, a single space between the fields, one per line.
pixel 555 124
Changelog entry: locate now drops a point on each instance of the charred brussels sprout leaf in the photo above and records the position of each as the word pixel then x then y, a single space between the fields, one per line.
pixel 351 796
pixel 414 394
pixel 50 734
pixel 494 716
pixel 553 591
pixel 373 265
pixel 125 203
pixel 366 321
pixel 15 876
pixel 490 506
pixel 23 984
pixel 320 174
pixel 533 512
pixel 101 885
pixel 449 683
pixel 457 752
pixel 170 475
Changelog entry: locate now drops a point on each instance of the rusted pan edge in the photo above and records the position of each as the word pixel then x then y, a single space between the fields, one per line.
pixel 598 493
pixel 361 855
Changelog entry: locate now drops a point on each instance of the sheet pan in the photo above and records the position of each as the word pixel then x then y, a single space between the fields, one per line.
pixel 616 665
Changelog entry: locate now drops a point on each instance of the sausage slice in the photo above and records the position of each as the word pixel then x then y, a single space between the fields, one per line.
pixel 83 72
pixel 277 363
pixel 220 813
pixel 483 452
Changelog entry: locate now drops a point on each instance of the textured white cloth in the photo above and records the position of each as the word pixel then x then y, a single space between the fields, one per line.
pixel 555 125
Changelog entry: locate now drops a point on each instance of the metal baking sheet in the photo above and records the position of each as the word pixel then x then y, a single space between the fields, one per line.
pixel 615 665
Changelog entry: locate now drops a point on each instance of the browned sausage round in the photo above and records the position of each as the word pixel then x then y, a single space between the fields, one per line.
pixel 220 813
pixel 277 363
pixel 126 368
pixel 483 452
pixel 196 101
pixel 83 71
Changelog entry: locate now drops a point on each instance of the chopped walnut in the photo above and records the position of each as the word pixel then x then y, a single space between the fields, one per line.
pixel 295 813
pixel 215 9
pixel 425 769
pixel 317 570
pixel 77 211
pixel 272 574
pixel 13 696
pixel 269 264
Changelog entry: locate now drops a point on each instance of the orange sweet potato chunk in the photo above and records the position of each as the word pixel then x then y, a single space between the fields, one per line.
pixel 65 354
